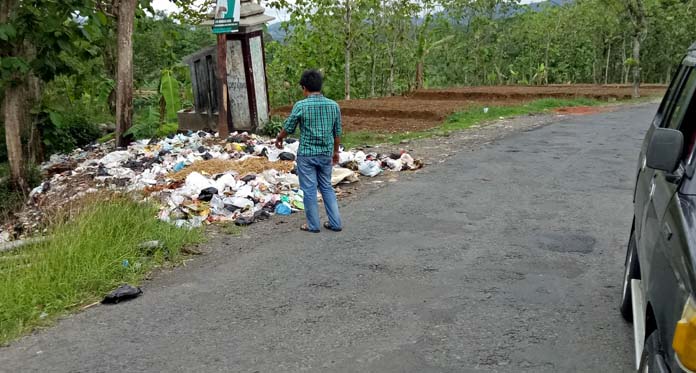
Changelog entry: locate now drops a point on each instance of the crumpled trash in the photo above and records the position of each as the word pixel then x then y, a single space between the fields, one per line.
pixel 394 164
pixel 286 156
pixel 370 168
pixel 207 194
pixel 122 293
pixel 115 159
pixel 283 209
pixel 155 167
pixel 240 202
pixel 339 174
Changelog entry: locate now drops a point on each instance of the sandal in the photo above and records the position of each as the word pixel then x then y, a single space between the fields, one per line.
pixel 305 228
pixel 329 227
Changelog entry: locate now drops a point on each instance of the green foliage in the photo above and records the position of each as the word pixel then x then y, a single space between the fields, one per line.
pixel 169 89
pixel 159 42
pixel 273 127
pixel 472 43
pixel 145 124
pixel 81 261
pixel 64 131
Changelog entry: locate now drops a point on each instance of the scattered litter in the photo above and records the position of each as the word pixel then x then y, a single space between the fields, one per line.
pixel 123 293
pixel 197 178
pixel 370 168
pixel 283 209
pixel 150 246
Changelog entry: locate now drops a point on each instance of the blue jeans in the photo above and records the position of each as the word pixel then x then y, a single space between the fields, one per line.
pixel 315 172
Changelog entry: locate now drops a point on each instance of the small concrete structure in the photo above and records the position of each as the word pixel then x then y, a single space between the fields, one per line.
pixel 246 78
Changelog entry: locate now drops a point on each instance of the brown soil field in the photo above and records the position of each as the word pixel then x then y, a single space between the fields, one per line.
pixel 427 108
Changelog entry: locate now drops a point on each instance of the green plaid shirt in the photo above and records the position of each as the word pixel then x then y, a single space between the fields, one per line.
pixel 320 122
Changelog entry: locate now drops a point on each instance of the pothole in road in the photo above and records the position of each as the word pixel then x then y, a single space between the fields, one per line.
pixel 567 242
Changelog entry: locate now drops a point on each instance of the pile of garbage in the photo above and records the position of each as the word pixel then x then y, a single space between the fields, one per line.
pixel 196 177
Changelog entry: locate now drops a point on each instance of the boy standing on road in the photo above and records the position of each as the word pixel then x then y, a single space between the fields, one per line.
pixel 319 119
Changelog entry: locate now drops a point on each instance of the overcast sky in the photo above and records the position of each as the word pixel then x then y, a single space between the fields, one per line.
pixel 281 15
pixel 167 6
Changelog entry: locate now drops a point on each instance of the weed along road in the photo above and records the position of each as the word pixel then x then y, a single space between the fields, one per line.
pixel 508 258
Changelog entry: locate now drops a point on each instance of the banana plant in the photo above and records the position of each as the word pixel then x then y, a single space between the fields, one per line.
pixel 170 102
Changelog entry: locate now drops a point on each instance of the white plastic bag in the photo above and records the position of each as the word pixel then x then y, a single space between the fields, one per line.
pixel 114 159
pixel 242 203
pixel 359 157
pixel 369 168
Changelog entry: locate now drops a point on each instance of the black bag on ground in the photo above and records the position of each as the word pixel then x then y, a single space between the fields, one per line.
pixel 124 292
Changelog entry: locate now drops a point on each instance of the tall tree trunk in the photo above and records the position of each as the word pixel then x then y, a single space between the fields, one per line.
pixel 348 42
pixel 13 107
pixel 419 74
pixel 636 11
pixel 636 66
pixel 13 110
pixel 372 77
pixel 606 70
pixel 390 81
pixel 624 68
pixel 124 72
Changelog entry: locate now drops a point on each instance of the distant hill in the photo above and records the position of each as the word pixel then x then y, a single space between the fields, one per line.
pixel 276 31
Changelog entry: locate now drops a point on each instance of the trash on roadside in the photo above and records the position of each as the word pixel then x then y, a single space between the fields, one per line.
pixel 197 178
pixel 283 209
pixel 370 168
pixel 122 293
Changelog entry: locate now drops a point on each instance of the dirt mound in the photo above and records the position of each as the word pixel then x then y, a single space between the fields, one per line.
pixel 427 108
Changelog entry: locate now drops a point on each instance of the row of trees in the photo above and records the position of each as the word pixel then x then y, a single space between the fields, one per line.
pixel 84 47
pixel 386 47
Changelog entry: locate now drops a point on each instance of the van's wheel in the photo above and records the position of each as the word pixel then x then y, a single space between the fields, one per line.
pixel 631 271
pixel 650 359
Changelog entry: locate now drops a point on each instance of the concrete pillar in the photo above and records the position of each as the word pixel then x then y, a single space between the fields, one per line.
pixel 246 70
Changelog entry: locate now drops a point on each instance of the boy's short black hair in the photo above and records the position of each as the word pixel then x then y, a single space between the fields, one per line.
pixel 312 80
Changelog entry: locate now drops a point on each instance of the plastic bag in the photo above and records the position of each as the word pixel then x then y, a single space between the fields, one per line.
pixel 283 209
pixel 359 157
pixel 344 157
pixel 286 156
pixel 240 202
pixel 245 192
pixel 339 174
pixel 196 182
pixel 122 293
pixel 114 159
pixel 369 168
pixel 207 194
pixel 394 165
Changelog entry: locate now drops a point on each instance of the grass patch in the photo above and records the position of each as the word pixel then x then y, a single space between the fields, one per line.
pixel 463 120
pixel 232 229
pixel 83 260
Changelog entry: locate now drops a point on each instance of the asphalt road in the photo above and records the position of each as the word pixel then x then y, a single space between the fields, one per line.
pixel 505 259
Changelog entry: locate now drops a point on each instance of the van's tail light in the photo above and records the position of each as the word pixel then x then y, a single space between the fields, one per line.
pixel 684 342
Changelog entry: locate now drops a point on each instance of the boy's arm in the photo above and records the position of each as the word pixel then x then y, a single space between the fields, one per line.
pixel 337 131
pixel 289 126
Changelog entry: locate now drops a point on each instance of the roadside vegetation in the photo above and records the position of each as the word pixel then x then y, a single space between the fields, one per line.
pixel 82 260
pixel 465 119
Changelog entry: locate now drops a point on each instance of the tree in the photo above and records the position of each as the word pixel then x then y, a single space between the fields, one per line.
pixel 13 105
pixel 124 70
pixel 636 11
pixel 30 55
